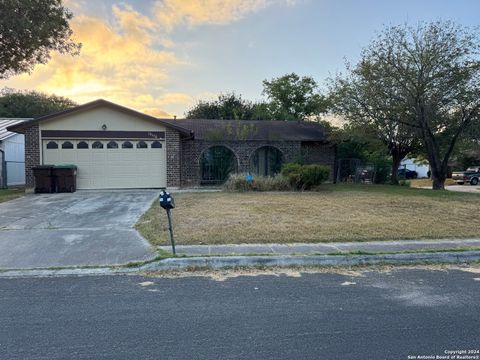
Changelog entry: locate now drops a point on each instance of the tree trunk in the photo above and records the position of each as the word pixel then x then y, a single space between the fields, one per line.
pixel 438 183
pixel 439 175
pixel 437 168
pixel 396 160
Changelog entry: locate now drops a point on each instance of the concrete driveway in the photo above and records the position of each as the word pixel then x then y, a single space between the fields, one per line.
pixel 464 188
pixel 79 229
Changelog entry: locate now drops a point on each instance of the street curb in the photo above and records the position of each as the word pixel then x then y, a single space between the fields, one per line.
pixel 221 262
pixel 227 262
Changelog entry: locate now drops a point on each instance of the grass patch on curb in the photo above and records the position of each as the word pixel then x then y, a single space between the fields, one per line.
pixel 418 251
pixel 161 255
pixel 10 194
pixel 350 253
pixel 335 213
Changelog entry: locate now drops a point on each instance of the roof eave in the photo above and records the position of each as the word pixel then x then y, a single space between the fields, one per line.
pixel 20 128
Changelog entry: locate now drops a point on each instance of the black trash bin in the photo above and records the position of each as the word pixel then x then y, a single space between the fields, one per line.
pixel 65 178
pixel 44 182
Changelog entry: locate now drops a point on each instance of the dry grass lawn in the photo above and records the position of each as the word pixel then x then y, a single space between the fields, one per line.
pixel 337 213
pixel 419 183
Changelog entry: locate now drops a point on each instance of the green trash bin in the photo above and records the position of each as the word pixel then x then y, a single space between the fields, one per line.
pixel 44 182
pixel 65 178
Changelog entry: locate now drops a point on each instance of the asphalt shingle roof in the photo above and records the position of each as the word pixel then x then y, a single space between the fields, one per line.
pixel 206 129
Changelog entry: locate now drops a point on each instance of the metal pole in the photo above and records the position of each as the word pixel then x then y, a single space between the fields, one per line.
pixel 3 169
pixel 170 228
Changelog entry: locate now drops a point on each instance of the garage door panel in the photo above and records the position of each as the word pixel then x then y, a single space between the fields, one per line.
pixel 98 156
pixel 84 156
pixel 115 155
pixel 112 168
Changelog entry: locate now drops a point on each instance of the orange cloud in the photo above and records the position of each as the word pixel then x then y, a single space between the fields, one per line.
pixel 195 12
pixel 128 60
pixel 117 61
pixel 134 24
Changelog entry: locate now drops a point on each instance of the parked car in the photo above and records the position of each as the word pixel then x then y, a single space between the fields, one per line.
pixel 471 175
pixel 407 174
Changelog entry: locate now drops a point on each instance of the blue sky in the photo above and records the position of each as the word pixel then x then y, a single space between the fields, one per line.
pixel 163 56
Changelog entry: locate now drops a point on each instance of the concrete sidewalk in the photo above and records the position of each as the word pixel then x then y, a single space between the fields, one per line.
pixel 325 248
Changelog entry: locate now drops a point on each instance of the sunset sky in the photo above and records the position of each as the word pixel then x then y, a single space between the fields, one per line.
pixel 161 57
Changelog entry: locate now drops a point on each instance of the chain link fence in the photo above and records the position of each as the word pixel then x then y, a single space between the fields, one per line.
pixel 355 171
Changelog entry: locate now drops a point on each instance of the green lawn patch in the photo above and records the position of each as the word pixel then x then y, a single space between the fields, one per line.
pixel 10 194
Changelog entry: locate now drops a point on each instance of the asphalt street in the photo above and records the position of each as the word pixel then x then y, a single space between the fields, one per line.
pixel 372 315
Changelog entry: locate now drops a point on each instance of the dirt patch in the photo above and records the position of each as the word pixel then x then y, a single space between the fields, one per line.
pixel 353 272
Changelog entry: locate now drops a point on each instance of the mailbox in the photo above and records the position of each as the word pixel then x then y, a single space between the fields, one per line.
pixel 166 200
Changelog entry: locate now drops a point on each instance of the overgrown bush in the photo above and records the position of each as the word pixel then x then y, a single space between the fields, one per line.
pixel 383 168
pixel 405 183
pixel 239 182
pixel 305 177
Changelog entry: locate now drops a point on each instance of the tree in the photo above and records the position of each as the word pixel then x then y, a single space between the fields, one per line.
pixel 361 141
pixel 29 31
pixel 432 72
pixel 378 108
pixel 31 104
pixel 294 98
pixel 229 107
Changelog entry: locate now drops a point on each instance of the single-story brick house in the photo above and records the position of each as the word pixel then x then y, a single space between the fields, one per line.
pixel 117 147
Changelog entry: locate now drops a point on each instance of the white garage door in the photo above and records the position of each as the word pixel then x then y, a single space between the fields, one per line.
pixel 111 163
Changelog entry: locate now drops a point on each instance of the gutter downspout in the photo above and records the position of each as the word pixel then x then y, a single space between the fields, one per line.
pixel 3 185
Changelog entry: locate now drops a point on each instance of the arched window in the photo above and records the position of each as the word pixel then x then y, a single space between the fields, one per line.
pixel 112 145
pixel 142 145
pixel 156 145
pixel 82 145
pixel 52 145
pixel 97 145
pixel 266 161
pixel 127 145
pixel 216 163
pixel 67 145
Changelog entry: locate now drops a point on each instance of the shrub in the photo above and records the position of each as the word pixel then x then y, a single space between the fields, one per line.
pixel 305 177
pixel 405 183
pixel 238 182
pixel 291 169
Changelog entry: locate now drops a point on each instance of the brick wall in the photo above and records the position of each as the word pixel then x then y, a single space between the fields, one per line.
pixel 174 152
pixel 32 155
pixel 320 153
pixel 309 152
pixel 243 150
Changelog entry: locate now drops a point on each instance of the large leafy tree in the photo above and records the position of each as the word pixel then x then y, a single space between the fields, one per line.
pixel 432 72
pixel 292 97
pixel 31 104
pixel 378 108
pixel 29 31
pixel 229 106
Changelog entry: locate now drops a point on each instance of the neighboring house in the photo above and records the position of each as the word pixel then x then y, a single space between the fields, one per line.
pixel 414 165
pixel 12 154
pixel 116 147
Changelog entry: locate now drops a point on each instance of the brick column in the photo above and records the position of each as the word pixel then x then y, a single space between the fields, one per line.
pixel 173 158
pixel 32 155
